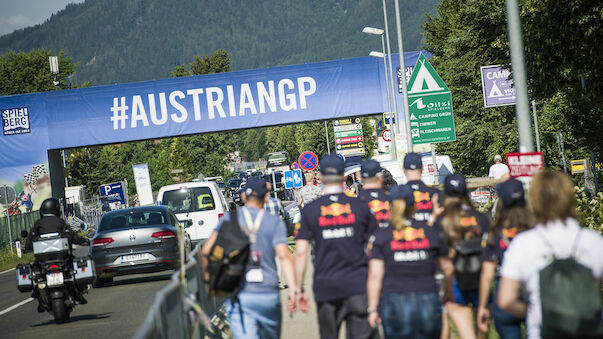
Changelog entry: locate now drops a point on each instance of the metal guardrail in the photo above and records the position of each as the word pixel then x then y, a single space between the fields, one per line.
pixel 183 308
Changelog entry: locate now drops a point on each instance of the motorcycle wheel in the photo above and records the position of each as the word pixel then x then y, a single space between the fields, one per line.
pixel 59 310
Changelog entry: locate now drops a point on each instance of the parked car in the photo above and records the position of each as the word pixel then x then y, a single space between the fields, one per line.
pixel 137 240
pixel 202 203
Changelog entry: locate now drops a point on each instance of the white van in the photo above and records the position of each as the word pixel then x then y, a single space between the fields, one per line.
pixel 395 168
pixel 201 202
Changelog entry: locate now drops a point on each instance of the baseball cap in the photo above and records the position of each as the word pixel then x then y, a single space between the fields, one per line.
pixel 455 185
pixel 331 165
pixel 255 186
pixel 370 168
pixel 404 192
pixel 412 161
pixel 511 193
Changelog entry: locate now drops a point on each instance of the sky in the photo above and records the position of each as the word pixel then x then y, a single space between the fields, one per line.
pixel 15 14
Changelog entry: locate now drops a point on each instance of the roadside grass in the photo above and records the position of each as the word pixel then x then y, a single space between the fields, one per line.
pixel 8 261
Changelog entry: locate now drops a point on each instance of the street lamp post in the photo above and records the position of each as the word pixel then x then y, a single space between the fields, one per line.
pixel 390 90
pixel 403 78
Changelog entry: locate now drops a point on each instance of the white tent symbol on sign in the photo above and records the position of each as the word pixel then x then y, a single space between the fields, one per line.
pixel 424 77
pixel 495 92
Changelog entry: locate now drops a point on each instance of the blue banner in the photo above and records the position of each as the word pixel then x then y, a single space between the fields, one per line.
pixel 34 123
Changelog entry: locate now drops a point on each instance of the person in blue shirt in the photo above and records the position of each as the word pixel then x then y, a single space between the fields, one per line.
pixel 372 191
pixel 255 311
pixel 511 218
pixel 25 200
pixel 339 227
pixel 403 258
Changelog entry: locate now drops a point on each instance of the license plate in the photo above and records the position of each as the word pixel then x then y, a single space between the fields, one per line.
pixel 134 257
pixel 54 279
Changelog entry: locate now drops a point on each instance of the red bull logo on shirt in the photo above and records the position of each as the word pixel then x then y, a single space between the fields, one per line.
pixel 336 214
pixel 381 209
pixel 422 201
pixel 468 221
pixel 409 238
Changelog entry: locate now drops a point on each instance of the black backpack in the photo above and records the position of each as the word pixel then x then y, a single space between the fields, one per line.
pixel 228 258
pixel 468 264
pixel 571 303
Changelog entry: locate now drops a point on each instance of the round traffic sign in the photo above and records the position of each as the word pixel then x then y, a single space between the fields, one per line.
pixel 308 161
pixel 294 166
pixel 386 135
pixel 7 194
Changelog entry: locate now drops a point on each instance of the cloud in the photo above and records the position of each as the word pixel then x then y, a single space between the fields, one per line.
pixel 14 22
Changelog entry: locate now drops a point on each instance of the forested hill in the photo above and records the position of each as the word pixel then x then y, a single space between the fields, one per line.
pixel 123 41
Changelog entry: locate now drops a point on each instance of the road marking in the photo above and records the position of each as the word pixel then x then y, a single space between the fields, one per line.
pixel 7 271
pixel 15 306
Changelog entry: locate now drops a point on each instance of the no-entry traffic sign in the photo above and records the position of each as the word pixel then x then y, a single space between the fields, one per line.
pixel 308 161
pixel 387 135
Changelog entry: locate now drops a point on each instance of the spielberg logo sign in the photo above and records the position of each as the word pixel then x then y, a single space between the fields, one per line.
pixel 15 121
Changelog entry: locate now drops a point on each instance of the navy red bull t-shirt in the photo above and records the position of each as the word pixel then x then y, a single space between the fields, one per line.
pixel 339 228
pixel 473 223
pixel 494 249
pixel 423 204
pixel 378 201
pixel 410 257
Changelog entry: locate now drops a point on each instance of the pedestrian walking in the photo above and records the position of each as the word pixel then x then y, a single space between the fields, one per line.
pixel 372 191
pixel 309 192
pixel 498 169
pixel 463 228
pixel 338 227
pixel 511 218
pixel 559 263
pixel 255 311
pixel 423 194
pixel 403 258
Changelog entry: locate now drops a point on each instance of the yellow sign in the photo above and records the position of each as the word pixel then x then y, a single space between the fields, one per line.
pixel 578 166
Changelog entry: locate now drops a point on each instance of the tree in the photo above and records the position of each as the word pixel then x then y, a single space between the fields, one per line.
pixel 467 34
pixel 179 159
pixel 22 72
pixel 217 62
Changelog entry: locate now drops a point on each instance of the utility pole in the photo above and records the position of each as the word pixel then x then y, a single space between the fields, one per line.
pixel 522 107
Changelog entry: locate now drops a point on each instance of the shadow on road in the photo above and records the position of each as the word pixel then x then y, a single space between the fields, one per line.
pixel 77 318
pixel 140 279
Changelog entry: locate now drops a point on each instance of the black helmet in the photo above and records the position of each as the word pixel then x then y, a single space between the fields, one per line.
pixel 49 207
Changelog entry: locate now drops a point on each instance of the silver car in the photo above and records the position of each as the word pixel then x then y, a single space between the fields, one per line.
pixel 136 240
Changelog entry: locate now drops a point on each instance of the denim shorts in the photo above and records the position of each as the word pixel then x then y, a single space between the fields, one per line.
pixel 411 315
pixel 465 298
pixel 255 315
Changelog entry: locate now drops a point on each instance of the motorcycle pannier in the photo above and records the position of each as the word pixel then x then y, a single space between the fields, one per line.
pixel 51 248
pixel 24 283
pixel 84 270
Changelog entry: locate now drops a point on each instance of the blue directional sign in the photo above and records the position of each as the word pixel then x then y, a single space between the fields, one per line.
pixel 293 179
pixel 114 192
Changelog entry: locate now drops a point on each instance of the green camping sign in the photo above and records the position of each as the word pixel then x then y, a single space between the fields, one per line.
pixel 430 105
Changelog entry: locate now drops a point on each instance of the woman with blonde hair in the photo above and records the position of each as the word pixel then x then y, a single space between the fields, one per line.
pixel 401 287
pixel 556 241
pixel 463 228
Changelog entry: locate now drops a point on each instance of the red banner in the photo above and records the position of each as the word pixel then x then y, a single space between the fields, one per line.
pixel 525 164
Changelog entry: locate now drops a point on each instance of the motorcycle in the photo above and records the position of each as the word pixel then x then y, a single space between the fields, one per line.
pixel 56 278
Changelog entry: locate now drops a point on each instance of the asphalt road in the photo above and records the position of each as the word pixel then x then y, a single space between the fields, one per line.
pixel 116 310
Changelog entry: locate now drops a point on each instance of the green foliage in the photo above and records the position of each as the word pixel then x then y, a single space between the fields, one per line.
pixel 178 159
pixel 8 261
pixel 22 72
pixel 590 209
pixel 467 34
pixel 123 41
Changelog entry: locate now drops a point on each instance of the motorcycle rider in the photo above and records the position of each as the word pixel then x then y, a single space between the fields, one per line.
pixel 51 222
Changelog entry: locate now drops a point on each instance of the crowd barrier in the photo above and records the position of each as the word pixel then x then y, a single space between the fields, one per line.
pixel 18 223
pixel 183 308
